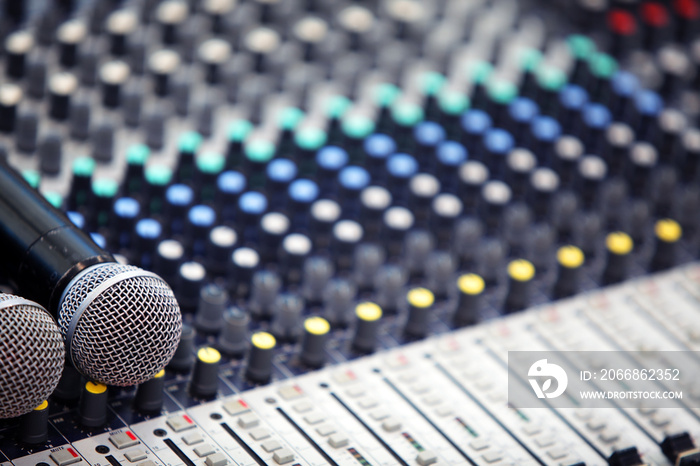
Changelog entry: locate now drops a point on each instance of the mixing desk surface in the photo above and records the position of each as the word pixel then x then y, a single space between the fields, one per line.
pixel 400 232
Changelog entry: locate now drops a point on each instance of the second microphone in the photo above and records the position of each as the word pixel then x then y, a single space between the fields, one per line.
pixel 121 324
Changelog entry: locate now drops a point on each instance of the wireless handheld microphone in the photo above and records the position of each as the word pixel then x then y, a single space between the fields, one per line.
pixel 121 324
pixel 31 355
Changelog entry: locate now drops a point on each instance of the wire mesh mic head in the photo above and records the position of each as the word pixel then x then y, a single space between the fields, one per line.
pixel 121 324
pixel 31 355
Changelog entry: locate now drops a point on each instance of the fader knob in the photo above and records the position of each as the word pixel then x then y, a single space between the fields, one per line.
pixel 212 302
pixel 471 288
pixel 34 426
pixel 619 246
pixel 668 233
pixel 420 304
pixel 183 358
pixel 92 411
pixel 233 340
pixel 259 368
pixel 314 341
pixel 570 260
pixel 368 318
pixel 520 275
pixel 205 379
pixel 149 395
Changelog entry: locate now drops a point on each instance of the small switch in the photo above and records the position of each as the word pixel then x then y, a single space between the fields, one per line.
pixel 557 453
pixel 259 433
pixel 235 407
pixel 289 392
pixel 180 423
pixel 303 406
pixel 204 450
pixel 135 455
pixel 271 445
pixel 391 425
pixel 325 429
pixel 479 444
pixel 123 440
pixel 544 441
pixel 368 403
pixel 492 456
pixel 426 458
pixel 248 420
pixel 314 418
pixel 217 459
pixel 65 457
pixel 338 440
pixel 354 392
pixel 283 456
pixel 193 439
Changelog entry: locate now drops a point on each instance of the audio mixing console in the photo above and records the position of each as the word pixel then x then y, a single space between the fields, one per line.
pixel 368 211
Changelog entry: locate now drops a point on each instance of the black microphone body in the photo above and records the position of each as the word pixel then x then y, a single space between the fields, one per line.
pixel 120 324
pixel 42 250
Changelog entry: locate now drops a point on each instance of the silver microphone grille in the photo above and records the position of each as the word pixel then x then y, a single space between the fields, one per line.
pixel 122 324
pixel 31 355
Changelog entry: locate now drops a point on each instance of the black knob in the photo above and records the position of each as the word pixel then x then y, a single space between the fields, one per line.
pixel 34 426
pixel 420 304
pixel 184 355
pixel 92 411
pixel 205 379
pixel 259 368
pixel 313 353
pixel 520 275
pixel 149 395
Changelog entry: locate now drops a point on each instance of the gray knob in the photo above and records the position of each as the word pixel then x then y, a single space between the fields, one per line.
pixel 36 77
pixel 265 287
pixel 564 210
pixel 317 272
pixel 491 254
pixel 89 59
pixel 181 94
pixel 517 219
pixel 541 240
pixel 337 301
pixel 233 340
pixel 390 282
pixel 286 323
pixel 418 245
pixel 205 118
pixel 210 310
pixel 154 129
pixel 587 232
pixel 80 119
pixel 468 234
pixel 26 130
pixel 50 154
pixel 132 105
pixel 367 261
pixel 103 142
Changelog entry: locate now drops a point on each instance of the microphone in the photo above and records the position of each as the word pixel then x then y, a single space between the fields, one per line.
pixel 121 324
pixel 31 355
